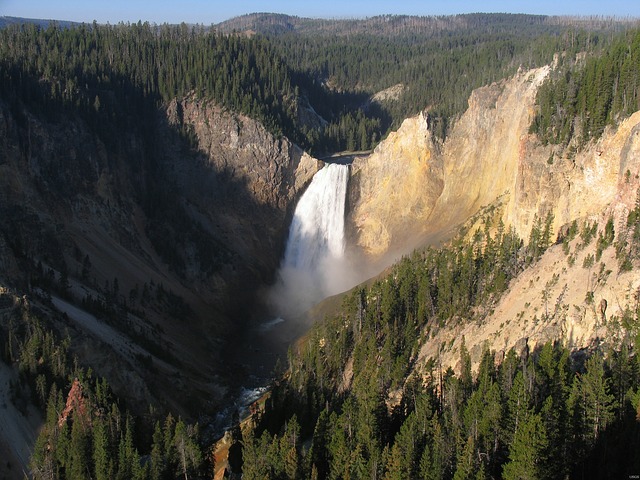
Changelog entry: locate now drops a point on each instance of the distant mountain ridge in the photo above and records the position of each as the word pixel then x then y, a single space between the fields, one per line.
pixel 5 21
pixel 277 23
pixel 405 25
pixel 268 23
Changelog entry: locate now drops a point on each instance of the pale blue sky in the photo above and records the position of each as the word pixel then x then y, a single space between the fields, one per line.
pixel 214 11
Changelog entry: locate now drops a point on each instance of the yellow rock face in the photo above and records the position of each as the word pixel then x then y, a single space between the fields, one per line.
pixel 413 189
pixel 485 147
pixel 394 189
pixel 579 186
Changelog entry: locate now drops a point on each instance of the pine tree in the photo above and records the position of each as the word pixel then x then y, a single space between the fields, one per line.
pixel 289 448
pixel 101 452
pixel 525 453
pixel 466 378
pixel 434 459
pixel 188 450
pixel 318 453
pixel 466 464
pixel 339 446
pixel 158 465
pixel 79 457
pixel 291 463
pixel 255 465
pixel 394 465
pixel 127 456
pixel 598 401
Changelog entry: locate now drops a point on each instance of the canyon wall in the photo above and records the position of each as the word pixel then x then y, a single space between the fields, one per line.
pixel 241 182
pixel 179 215
pixel 68 190
pixel 414 187
pixel 491 167
pixel 392 192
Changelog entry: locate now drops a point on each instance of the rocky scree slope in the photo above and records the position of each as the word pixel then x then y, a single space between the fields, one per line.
pixel 413 190
pixel 178 220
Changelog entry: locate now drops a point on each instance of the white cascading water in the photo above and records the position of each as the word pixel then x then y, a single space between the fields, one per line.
pixel 313 268
pixel 313 262
pixel 317 228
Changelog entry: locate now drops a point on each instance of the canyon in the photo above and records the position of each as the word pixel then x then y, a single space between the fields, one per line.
pixel 202 226
pixel 231 188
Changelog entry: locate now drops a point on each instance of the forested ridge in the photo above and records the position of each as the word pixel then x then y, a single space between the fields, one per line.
pixel 439 60
pixel 412 26
pixel 126 70
pixel 119 75
pixel 585 95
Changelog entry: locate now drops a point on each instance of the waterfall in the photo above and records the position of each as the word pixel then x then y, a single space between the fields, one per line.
pixel 313 264
pixel 317 229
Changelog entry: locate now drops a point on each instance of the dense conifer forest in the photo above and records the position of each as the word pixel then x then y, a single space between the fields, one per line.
pixel 586 94
pixel 116 75
pixel 545 413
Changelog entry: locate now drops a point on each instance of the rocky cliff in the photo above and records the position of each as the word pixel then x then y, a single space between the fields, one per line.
pixel 392 192
pixel 490 167
pixel 574 294
pixel 412 186
pixel 417 187
pixel 179 217
pixel 241 182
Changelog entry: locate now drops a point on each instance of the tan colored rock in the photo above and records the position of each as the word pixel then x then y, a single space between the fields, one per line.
pixel 575 186
pixel 485 148
pixel 394 189
pixel 414 189
pixel 546 302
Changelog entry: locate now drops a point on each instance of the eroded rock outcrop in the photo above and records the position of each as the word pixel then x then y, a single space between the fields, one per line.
pixel 485 148
pixel 77 404
pixel 559 298
pixel 413 187
pixel 416 187
pixel 393 191
pixel 273 169
pixel 241 184
pixel 575 185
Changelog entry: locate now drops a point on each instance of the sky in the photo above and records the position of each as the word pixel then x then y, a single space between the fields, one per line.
pixel 208 12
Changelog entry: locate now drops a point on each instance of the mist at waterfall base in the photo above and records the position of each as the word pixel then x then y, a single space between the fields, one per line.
pixel 314 264
pixel 314 267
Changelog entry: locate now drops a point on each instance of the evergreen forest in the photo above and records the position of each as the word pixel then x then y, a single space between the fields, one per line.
pixel 354 405
pixel 586 94
pixel 117 75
